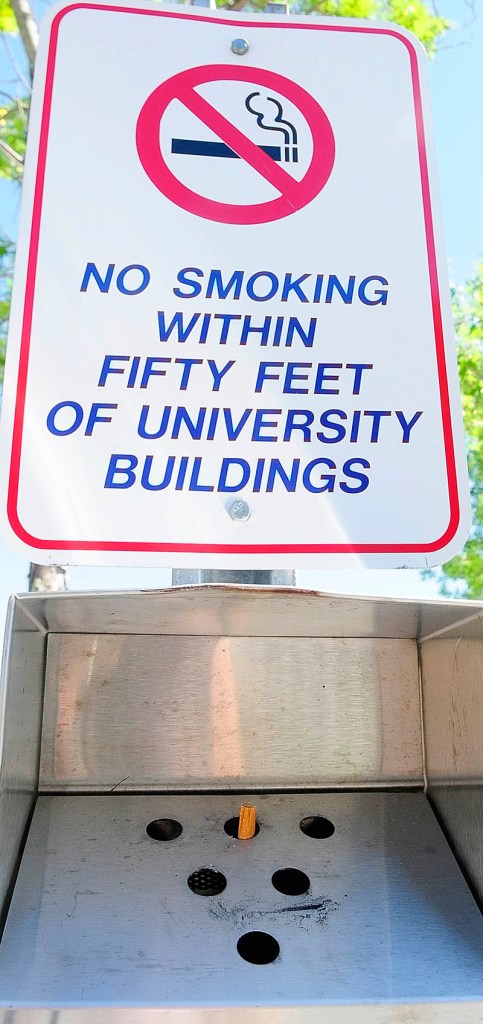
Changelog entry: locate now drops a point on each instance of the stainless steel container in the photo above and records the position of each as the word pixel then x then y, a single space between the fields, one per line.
pixel 354 725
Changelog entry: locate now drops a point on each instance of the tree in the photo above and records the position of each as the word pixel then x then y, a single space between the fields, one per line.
pixel 17 17
pixel 463 575
pixel 7 252
pixel 414 15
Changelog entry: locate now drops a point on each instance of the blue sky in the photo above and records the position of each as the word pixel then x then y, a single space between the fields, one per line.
pixel 456 79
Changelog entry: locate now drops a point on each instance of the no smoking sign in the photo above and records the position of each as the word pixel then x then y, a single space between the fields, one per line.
pixel 272 162
pixel 230 295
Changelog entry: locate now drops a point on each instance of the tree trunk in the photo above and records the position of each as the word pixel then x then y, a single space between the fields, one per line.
pixel 47 577
pixel 27 27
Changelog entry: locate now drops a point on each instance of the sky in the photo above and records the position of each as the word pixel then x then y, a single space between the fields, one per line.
pixel 456 83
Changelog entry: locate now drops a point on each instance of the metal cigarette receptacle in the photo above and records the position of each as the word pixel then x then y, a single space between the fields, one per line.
pixel 133 727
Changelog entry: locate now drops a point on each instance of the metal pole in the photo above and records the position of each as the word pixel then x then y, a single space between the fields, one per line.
pixel 255 577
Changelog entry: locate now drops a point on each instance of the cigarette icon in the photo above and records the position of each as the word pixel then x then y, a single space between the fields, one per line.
pixel 194 147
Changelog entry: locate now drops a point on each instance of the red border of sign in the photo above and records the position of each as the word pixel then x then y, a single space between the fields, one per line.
pixel 294 194
pixel 83 545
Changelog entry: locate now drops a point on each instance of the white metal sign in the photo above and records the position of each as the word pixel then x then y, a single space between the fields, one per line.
pixel 230 342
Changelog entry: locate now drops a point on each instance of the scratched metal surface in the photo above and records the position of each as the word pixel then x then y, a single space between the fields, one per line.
pixel 249 611
pixel 102 914
pixel 170 712
pixel 452 677
pixel 21 688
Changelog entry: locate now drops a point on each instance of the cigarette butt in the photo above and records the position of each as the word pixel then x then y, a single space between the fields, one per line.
pixel 247 822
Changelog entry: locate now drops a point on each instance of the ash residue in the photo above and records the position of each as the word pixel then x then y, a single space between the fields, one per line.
pixel 250 913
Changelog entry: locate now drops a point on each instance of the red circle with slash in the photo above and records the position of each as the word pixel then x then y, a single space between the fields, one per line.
pixel 294 195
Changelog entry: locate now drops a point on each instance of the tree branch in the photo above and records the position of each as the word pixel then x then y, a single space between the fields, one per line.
pixel 11 154
pixel 16 67
pixel 27 27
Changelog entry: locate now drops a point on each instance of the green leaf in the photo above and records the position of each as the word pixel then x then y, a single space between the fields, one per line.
pixel 7 253
pixel 13 131
pixel 418 18
pixel 411 14
pixel 8 22
pixel 463 575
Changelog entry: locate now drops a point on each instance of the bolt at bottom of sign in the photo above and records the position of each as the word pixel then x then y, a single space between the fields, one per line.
pixel 240 511
pixel 240 47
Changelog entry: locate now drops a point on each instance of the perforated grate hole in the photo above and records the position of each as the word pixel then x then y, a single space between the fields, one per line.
pixel 207 882
pixel 164 829
pixel 258 948
pixel 317 827
pixel 291 881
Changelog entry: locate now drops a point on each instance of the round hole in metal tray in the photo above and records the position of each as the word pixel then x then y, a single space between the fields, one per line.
pixel 258 947
pixel 291 881
pixel 231 827
pixel 164 829
pixel 207 882
pixel 317 827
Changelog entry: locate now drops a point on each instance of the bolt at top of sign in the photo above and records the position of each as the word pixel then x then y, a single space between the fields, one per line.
pixel 240 47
